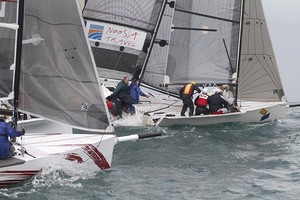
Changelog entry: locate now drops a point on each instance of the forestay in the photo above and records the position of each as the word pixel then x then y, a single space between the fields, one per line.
pixel 129 15
pixel 259 78
pixel 7 46
pixel 59 80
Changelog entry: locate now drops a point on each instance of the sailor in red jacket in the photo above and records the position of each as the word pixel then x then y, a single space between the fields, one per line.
pixel 201 103
pixel 186 93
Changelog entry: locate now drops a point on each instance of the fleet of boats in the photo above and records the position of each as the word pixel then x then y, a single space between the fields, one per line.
pixel 57 55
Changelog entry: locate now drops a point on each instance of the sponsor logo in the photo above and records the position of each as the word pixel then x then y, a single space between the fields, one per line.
pixel 95 32
pixel 265 114
pixel 111 34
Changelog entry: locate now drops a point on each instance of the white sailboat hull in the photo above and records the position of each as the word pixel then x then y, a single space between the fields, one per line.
pixel 163 110
pixel 43 149
pixel 250 115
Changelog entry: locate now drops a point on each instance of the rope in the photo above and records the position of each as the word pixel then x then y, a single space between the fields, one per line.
pixel 162 108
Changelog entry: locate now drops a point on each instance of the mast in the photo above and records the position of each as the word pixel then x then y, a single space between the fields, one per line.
pixel 162 10
pixel 18 60
pixel 239 48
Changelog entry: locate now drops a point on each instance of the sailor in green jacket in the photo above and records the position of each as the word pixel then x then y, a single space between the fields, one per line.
pixel 123 93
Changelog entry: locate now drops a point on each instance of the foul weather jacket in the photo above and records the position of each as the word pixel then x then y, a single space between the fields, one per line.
pixel 121 90
pixel 135 91
pixel 188 90
pixel 5 131
pixel 216 102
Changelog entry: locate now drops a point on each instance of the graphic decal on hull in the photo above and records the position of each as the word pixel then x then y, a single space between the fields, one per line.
pixel 265 114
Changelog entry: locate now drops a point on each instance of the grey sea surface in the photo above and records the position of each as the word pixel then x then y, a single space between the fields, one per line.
pixel 228 161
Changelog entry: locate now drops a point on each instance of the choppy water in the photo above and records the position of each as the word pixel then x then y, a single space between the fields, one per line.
pixel 229 161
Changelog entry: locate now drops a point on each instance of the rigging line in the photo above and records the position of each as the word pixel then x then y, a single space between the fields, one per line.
pixel 228 56
pixel 207 16
pixel 118 60
pixel 193 29
pixel 53 24
pixel 146 113
pixel 116 156
pixel 155 31
pixel 239 49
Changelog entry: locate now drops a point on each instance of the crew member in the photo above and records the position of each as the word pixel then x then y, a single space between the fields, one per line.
pixel 201 103
pixel 186 93
pixel 6 148
pixel 217 104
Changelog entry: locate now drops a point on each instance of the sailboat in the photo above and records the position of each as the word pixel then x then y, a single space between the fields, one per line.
pixel 207 41
pixel 48 71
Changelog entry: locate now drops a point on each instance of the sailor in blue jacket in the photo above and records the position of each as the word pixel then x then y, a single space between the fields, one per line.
pixel 6 130
pixel 135 91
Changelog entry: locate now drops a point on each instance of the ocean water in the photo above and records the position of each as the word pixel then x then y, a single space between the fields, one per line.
pixel 228 161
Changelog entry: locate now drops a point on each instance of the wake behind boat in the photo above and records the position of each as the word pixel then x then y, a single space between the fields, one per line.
pixel 48 71
pixel 39 150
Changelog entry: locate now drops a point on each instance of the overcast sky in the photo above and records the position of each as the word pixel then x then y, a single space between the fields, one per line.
pixel 283 20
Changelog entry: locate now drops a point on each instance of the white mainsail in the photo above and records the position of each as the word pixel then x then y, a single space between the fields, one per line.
pixel 58 76
pixel 259 78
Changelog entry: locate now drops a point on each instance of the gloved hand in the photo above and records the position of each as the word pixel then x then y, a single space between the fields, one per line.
pixel 23 131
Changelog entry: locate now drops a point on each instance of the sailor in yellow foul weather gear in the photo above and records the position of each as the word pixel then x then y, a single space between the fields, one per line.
pixel 186 94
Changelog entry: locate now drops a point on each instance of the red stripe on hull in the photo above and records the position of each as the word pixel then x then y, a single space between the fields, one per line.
pixel 96 156
pixel 15 177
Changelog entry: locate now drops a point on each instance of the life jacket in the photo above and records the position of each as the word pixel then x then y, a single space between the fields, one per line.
pixel 109 105
pixel 202 101
pixel 188 89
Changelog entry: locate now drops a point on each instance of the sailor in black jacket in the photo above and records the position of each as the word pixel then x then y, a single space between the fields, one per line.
pixel 217 104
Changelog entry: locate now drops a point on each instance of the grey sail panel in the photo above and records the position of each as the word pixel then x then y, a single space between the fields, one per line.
pixel 199 55
pixel 259 78
pixel 7 47
pixel 155 73
pixel 135 14
pixel 58 78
